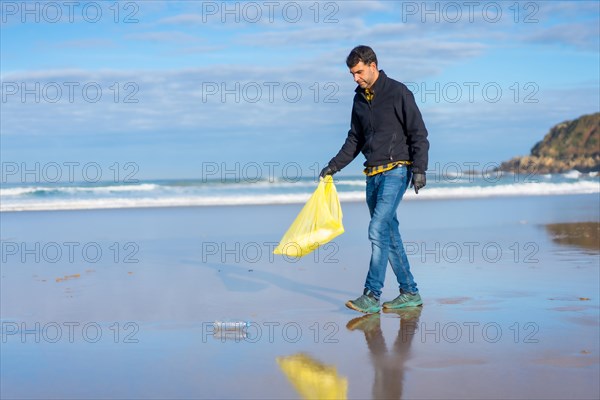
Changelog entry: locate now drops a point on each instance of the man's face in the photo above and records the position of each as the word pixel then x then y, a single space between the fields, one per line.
pixel 364 75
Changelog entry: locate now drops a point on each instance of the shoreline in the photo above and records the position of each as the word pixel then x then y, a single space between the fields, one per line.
pixel 409 197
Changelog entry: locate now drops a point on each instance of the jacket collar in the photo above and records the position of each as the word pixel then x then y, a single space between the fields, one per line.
pixel 379 83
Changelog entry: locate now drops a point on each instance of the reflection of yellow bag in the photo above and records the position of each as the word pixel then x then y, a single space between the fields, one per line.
pixel 319 222
pixel 312 379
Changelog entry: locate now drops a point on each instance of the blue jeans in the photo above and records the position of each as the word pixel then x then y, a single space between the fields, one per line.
pixel 384 192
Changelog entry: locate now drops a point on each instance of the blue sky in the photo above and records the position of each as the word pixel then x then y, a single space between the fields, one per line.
pixel 186 83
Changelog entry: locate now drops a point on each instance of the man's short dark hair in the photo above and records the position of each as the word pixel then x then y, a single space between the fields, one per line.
pixel 361 53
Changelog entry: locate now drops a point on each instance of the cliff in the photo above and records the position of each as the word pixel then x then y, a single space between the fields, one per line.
pixel 570 145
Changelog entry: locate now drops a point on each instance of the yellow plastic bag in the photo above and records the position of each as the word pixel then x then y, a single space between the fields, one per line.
pixel 319 221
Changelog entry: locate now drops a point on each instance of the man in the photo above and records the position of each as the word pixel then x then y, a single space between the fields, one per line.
pixel 388 129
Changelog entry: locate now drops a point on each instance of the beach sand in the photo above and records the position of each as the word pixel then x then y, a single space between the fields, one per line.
pixel 121 304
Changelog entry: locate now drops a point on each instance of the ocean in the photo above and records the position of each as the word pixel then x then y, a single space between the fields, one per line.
pixel 235 191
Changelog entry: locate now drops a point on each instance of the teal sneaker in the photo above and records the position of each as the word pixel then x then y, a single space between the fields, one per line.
pixel 366 303
pixel 404 300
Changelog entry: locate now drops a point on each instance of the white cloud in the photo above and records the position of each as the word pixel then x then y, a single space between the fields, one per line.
pixel 581 36
pixel 182 19
pixel 87 43
pixel 163 36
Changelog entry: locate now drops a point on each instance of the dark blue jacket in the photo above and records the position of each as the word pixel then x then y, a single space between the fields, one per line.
pixel 388 129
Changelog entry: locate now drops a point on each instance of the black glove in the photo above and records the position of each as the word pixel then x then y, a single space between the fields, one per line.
pixel 418 181
pixel 327 171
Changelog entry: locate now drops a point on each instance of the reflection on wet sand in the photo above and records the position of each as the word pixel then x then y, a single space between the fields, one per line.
pixel 388 364
pixel 585 235
pixel 313 379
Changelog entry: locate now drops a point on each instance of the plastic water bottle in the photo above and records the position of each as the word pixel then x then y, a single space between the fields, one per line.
pixel 230 325
pixel 230 330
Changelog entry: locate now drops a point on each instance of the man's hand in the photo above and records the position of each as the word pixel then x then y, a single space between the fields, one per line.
pixel 418 181
pixel 326 171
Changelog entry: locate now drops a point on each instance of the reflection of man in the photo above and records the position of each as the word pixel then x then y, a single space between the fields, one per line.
pixel 389 366
pixel 388 129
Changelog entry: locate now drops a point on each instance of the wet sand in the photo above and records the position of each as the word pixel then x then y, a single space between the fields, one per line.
pixel 121 304
pixel 585 235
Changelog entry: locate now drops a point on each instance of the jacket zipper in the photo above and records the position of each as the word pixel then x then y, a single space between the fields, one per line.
pixel 392 146
pixel 370 123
